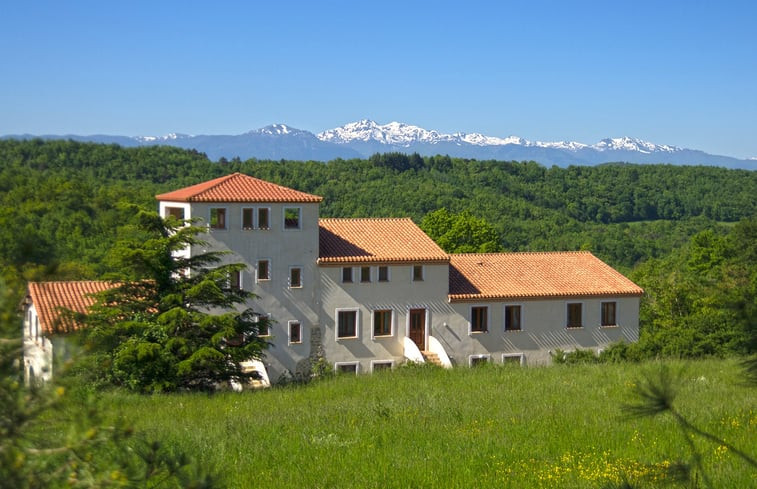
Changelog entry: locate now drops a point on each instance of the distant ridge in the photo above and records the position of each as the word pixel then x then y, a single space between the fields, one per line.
pixel 363 138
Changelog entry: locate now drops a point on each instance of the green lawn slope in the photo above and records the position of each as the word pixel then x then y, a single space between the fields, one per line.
pixel 561 426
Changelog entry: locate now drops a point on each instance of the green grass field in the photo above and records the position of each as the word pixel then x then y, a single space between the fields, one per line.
pixel 560 426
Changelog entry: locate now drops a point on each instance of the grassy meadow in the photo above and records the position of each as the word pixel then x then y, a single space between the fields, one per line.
pixel 559 426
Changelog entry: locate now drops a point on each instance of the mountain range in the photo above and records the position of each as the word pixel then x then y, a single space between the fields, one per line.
pixel 363 138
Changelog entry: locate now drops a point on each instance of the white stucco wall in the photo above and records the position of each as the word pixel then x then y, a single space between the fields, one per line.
pixel 38 349
pixel 315 304
pixel 543 329
pixel 400 294
pixel 284 249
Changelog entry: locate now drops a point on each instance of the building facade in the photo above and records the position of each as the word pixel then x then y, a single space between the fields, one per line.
pixel 360 295
pixel 365 294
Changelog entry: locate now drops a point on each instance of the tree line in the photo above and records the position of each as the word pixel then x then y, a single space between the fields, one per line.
pixel 678 231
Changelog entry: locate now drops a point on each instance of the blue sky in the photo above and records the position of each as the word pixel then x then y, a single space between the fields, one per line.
pixel 670 72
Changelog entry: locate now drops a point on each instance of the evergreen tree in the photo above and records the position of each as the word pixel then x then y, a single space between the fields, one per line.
pixel 171 322
pixel 51 436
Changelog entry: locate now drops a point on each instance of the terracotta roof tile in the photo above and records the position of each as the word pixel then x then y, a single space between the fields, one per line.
pixel 388 240
pixel 238 187
pixel 50 297
pixel 534 275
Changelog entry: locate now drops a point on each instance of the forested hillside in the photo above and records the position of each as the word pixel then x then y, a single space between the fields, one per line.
pixel 61 207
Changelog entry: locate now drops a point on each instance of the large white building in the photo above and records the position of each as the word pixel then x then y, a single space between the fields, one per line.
pixel 365 294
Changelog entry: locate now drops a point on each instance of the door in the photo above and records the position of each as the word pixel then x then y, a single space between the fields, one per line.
pixel 417 328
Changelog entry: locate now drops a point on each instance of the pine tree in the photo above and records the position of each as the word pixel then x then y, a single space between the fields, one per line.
pixel 53 436
pixel 171 322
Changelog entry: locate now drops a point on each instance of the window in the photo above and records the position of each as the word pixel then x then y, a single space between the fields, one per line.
pixel 235 280
pixel 217 218
pixel 346 323
pixel 512 318
pixel 175 212
pixel 383 274
pixel 264 326
pixel 295 277
pixel 417 273
pixel 295 332
pixel 513 359
pixel 377 365
pixel 608 314
pixel 291 218
pixel 574 315
pixel 382 322
pixel 365 274
pixel 346 368
pixel 477 360
pixel 347 275
pixel 263 220
pixel 479 319
pixel 264 270
pixel 247 214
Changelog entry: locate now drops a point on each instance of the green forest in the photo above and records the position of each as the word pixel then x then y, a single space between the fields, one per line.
pixel 686 234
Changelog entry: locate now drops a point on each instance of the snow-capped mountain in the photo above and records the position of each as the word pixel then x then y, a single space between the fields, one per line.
pixel 363 138
pixel 401 134
pixel 368 137
pixel 162 139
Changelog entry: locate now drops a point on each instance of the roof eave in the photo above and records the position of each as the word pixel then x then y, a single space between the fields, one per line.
pixel 350 260
pixel 502 298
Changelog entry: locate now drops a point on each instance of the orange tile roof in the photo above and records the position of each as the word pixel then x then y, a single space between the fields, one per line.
pixel 238 187
pixel 50 297
pixel 534 275
pixel 387 240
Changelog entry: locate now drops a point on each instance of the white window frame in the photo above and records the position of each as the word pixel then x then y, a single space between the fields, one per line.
pixel 257 270
pixel 240 285
pixel 370 274
pixel 257 218
pixel 241 216
pixel 357 323
pixel 520 356
pixel 392 319
pixel 504 318
pixel 601 306
pixel 471 332
pixel 388 274
pixel 268 333
pixel 482 356
pixel 167 213
pixel 341 364
pixel 289 279
pixel 583 314
pixel 352 275
pixel 225 218
pixel 412 273
pixel 381 362
pixel 289 332
pixel 182 205
pixel 283 218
